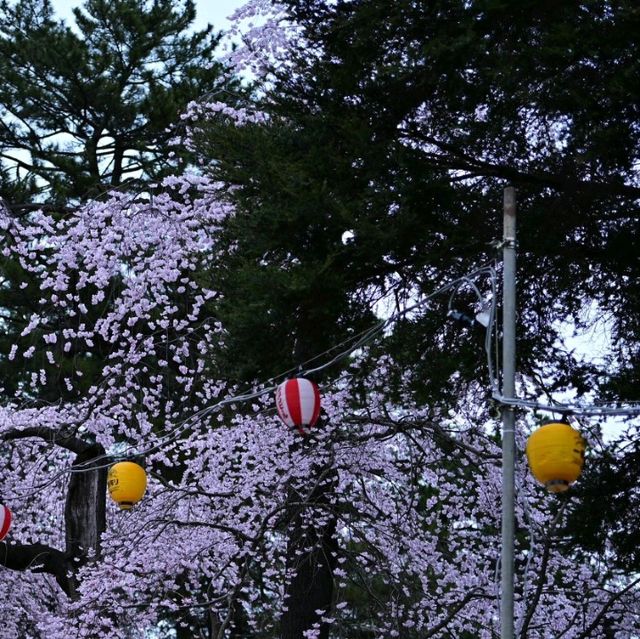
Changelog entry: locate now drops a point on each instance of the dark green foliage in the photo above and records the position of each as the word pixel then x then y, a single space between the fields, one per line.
pixel 401 133
pixel 413 116
pixel 287 274
pixel 380 173
pixel 605 519
pixel 89 108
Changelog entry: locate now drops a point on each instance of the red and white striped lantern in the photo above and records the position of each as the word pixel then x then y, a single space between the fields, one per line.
pixel 298 403
pixel 5 521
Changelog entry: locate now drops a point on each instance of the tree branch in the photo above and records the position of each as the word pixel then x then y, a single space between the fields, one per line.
pixel 56 437
pixel 454 158
pixel 37 558
pixel 542 573
pixel 605 609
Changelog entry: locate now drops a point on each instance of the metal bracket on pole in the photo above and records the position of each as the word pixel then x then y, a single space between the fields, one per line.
pixel 508 415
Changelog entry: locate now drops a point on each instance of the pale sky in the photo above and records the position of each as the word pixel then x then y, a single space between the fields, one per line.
pixel 213 12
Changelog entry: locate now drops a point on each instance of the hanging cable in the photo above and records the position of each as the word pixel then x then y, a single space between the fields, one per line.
pixel 606 409
pixel 350 345
pixel 365 337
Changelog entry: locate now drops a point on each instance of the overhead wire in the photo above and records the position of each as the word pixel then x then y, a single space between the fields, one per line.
pixel 604 409
pixel 569 408
pixel 360 340
pixel 349 345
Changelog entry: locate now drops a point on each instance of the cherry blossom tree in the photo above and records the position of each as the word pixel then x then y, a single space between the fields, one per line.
pixel 392 500
pixel 413 497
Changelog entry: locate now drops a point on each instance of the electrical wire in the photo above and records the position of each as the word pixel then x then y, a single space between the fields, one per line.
pixel 604 409
pixel 355 342
pixel 350 345
pixel 365 337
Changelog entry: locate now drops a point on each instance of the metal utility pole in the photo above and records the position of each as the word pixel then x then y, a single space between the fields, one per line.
pixel 508 416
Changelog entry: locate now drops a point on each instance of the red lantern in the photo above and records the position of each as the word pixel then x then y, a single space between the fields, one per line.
pixel 5 521
pixel 298 403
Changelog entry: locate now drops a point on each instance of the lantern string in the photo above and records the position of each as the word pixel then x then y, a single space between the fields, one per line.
pixel 359 340
pixel 347 346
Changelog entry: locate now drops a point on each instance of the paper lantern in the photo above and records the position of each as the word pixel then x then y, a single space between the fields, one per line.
pixel 298 403
pixel 126 482
pixel 5 521
pixel 556 454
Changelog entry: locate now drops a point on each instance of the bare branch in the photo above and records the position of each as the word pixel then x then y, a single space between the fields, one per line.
pixel 542 573
pixel 37 558
pixel 56 437
pixel 594 624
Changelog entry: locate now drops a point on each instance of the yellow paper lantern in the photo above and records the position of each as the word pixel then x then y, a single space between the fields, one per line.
pixel 556 454
pixel 126 482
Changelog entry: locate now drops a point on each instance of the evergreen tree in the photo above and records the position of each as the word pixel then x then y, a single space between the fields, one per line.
pixel 390 132
pixel 88 108
pixel 85 110
pixel 398 125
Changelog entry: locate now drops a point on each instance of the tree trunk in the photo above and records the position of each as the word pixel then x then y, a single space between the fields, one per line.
pixel 85 513
pixel 311 551
pixel 85 508
pixel 311 587
pixel 38 558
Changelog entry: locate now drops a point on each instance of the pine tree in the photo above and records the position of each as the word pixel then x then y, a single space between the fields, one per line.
pixel 88 108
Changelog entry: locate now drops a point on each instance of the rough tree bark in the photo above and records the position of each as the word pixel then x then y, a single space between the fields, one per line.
pixel 85 512
pixel 311 557
pixel 311 550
